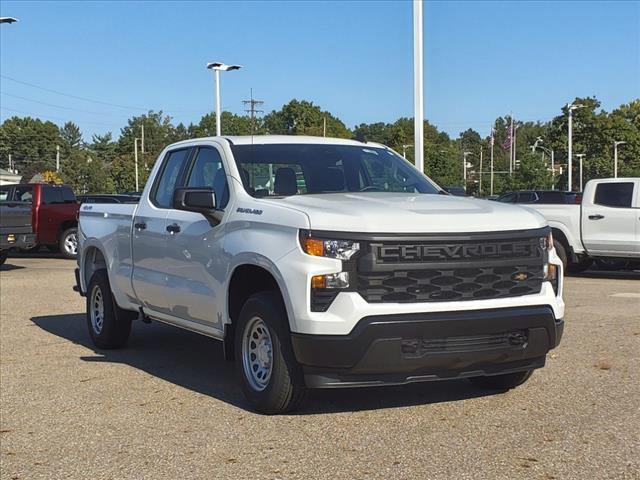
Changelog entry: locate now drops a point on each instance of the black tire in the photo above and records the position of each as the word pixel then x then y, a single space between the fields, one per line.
pixel 612 265
pixel 283 389
pixel 69 242
pixel 561 252
pixel 4 254
pixel 115 327
pixel 502 382
pixel 580 266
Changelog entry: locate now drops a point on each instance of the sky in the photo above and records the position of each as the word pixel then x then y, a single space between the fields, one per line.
pixel 354 59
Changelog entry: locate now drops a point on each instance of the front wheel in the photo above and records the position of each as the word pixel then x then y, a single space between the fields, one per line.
pixel 109 325
pixel 270 376
pixel 69 242
pixel 502 382
pixel 4 254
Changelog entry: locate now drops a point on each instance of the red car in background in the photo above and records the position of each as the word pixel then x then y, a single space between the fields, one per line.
pixel 54 213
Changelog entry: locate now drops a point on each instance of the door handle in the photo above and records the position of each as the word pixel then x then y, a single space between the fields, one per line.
pixel 173 228
pixel 140 225
pixel 596 217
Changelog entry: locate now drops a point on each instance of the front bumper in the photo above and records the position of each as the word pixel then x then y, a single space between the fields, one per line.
pixel 405 348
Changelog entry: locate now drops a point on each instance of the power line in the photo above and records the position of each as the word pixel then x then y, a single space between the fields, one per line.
pixel 57 106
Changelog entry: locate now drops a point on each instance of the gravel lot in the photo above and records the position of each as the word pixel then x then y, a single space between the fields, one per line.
pixel 168 405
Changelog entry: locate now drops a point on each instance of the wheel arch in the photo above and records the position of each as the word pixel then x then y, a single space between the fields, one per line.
pixel 246 279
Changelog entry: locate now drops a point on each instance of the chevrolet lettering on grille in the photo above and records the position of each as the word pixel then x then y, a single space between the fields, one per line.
pixel 420 253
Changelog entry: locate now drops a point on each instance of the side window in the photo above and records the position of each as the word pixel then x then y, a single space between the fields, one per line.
pixel 207 171
pixel 23 194
pixel 614 194
pixel 67 195
pixel 52 195
pixel 4 194
pixel 508 198
pixel 527 197
pixel 552 197
pixel 163 194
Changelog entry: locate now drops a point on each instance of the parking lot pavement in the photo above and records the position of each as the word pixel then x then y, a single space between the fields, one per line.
pixel 168 406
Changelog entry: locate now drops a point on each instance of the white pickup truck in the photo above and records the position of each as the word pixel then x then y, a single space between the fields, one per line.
pixel 323 263
pixel 606 225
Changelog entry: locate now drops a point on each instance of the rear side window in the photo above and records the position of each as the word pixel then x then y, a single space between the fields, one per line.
pixel 163 194
pixel 52 195
pixel 527 197
pixel 23 194
pixel 67 195
pixel 614 194
pixel 551 197
pixel 508 198
pixel 207 171
pixel 4 194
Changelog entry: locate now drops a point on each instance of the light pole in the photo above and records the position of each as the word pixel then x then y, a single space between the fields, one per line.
pixel 551 154
pixel 580 156
pixel 615 158
pixel 570 107
pixel 464 168
pixel 8 20
pixel 217 67
pixel 135 158
pixel 404 150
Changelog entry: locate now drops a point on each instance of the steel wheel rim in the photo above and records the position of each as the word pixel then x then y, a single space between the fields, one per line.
pixel 96 309
pixel 71 243
pixel 257 354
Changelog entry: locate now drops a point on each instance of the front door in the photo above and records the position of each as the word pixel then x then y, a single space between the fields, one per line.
pixel 196 263
pixel 149 280
pixel 609 222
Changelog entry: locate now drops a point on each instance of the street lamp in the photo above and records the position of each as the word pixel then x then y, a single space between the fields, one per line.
pixel 464 167
pixel 580 156
pixel 551 154
pixel 8 20
pixel 404 150
pixel 615 158
pixel 571 107
pixel 217 67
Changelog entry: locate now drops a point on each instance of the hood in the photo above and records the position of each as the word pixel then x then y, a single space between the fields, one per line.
pixel 377 212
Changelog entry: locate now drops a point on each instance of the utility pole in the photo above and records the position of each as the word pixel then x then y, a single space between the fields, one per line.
pixel 615 158
pixel 57 158
pixel 418 86
pixel 492 142
pixel 480 184
pixel 142 146
pixel 252 103
pixel 324 126
pixel 135 156
pixel 10 165
pixel 515 144
pixel 464 168
pixel 511 147
pixel 570 107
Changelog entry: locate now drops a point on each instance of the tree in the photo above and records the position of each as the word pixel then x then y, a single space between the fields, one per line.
pixel 304 118
pixel 71 138
pixel 31 144
pixel 85 174
pixel 103 147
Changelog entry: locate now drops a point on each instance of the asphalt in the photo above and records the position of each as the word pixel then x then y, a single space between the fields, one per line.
pixel 168 406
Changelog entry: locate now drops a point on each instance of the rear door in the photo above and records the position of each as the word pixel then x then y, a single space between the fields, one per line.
pixel 195 261
pixel 149 236
pixel 610 219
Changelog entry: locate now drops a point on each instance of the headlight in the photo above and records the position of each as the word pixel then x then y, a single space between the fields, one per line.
pixel 547 242
pixel 338 249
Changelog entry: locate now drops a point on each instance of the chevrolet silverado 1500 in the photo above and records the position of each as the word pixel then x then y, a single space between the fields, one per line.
pixel 323 263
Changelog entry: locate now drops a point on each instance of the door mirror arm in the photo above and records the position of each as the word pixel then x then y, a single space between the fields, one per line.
pixel 199 200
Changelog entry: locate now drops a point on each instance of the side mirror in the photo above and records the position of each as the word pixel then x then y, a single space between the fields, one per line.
pixel 195 199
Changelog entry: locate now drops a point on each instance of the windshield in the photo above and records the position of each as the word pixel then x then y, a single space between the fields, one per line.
pixel 298 169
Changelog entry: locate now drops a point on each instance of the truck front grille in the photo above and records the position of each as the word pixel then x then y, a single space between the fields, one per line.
pixel 454 268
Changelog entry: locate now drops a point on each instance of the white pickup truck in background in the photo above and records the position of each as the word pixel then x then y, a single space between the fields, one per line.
pixel 605 226
pixel 323 263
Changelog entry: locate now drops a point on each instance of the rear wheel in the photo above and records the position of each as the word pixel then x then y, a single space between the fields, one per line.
pixel 561 252
pixel 69 242
pixel 502 382
pixel 270 376
pixel 109 325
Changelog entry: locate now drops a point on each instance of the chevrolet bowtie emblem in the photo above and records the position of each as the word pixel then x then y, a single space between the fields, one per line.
pixel 520 276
